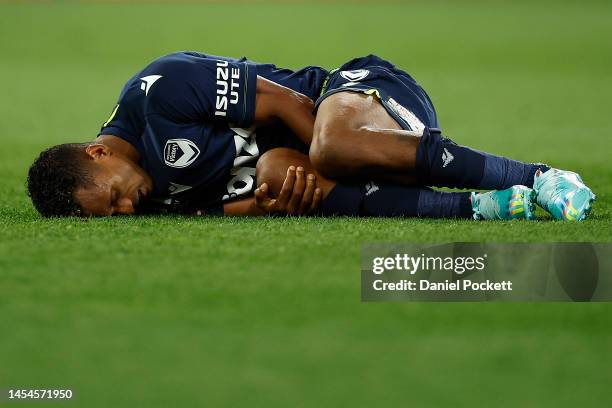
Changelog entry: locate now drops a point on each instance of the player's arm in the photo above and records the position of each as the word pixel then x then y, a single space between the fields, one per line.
pixel 276 102
pixel 244 207
pixel 299 195
pixel 200 90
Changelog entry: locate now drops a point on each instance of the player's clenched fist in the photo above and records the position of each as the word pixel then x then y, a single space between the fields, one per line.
pixel 299 194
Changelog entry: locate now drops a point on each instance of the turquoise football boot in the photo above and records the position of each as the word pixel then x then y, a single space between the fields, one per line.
pixel 516 202
pixel 563 194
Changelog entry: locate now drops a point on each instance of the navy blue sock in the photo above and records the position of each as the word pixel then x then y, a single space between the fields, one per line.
pixel 443 163
pixel 389 200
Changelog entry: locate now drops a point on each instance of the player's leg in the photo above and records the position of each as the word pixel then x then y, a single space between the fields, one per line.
pixel 387 199
pixel 354 136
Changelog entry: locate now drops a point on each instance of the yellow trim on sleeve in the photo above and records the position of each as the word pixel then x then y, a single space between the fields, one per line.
pixel 112 116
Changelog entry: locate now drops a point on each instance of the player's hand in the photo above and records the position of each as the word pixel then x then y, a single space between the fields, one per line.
pixel 298 196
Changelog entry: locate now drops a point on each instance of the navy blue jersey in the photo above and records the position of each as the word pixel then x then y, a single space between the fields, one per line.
pixel 190 116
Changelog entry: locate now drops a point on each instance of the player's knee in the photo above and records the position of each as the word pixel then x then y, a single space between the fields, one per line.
pixel 264 169
pixel 272 167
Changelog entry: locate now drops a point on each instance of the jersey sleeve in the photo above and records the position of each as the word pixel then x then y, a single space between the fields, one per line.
pixel 191 89
pixel 126 119
pixel 188 153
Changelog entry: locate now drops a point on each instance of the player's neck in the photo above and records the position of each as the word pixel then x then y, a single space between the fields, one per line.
pixel 120 146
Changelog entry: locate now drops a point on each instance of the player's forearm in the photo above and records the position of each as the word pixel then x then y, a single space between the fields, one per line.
pixel 244 207
pixel 296 113
pixel 275 101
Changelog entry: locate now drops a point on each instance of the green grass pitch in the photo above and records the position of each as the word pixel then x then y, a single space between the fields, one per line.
pixel 176 311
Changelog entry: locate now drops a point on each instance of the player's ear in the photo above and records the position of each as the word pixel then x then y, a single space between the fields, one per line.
pixel 97 151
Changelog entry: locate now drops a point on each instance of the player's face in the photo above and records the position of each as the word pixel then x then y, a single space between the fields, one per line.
pixel 119 185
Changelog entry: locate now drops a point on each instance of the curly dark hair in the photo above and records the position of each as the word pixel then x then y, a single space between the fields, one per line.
pixel 54 176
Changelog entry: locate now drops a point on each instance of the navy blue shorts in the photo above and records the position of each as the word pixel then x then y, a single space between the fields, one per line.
pixel 398 92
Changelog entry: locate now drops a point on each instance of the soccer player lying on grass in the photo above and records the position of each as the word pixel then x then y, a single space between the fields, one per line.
pixel 188 131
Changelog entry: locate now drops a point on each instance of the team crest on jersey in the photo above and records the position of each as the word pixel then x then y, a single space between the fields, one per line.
pixel 180 153
pixel 355 75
